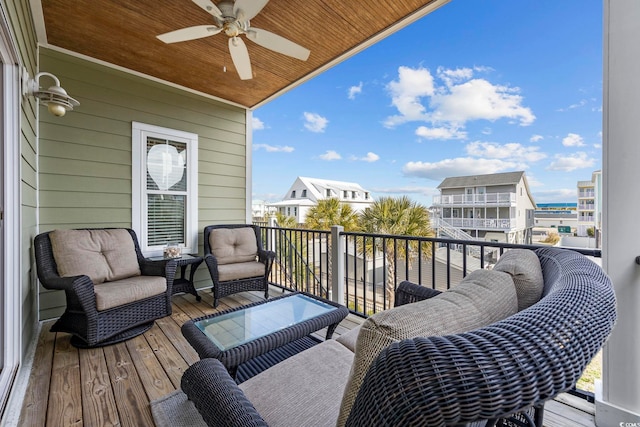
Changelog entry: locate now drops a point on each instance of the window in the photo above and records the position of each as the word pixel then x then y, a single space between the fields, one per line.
pixel 328 192
pixel 354 194
pixel 304 193
pixel 164 188
pixel 345 194
pixel 293 194
pixel 366 196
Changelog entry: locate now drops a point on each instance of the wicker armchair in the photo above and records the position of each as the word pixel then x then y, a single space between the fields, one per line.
pixel 479 378
pixel 97 318
pixel 236 261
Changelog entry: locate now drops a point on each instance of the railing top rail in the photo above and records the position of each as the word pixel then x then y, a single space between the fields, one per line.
pixel 585 251
pixel 306 230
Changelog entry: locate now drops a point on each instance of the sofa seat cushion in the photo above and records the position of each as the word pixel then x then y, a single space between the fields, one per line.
pixel 241 270
pixel 103 255
pixel 125 291
pixel 481 298
pixel 524 267
pixel 304 390
pixel 231 245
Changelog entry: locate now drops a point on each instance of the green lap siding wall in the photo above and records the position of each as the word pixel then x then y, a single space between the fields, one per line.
pixel 18 15
pixel 85 156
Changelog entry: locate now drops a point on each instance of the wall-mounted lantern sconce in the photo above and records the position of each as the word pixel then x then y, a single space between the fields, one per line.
pixel 55 98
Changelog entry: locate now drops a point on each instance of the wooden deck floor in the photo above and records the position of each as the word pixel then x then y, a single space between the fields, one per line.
pixel 113 385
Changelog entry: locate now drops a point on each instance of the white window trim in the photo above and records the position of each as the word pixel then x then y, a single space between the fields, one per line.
pixel 139 132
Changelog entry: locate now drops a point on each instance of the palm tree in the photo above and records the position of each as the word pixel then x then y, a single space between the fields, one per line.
pixel 330 212
pixel 327 213
pixel 396 216
pixel 285 221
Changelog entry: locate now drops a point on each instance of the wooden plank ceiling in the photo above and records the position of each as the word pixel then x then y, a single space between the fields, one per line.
pixel 123 32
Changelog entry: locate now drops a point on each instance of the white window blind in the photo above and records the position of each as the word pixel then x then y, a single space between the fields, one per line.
pixel 164 188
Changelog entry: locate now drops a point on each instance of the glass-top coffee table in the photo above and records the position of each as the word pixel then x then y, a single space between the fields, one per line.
pixel 238 335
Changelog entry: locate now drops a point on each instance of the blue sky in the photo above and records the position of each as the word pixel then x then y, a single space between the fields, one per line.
pixel 478 86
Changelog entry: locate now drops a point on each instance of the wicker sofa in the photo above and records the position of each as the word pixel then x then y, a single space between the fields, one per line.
pixel 452 375
pixel 112 292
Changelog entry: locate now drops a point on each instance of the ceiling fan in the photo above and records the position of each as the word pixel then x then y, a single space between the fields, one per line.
pixel 232 18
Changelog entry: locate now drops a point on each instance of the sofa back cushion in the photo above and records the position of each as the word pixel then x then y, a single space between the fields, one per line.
pixel 231 245
pixel 482 297
pixel 524 267
pixel 103 255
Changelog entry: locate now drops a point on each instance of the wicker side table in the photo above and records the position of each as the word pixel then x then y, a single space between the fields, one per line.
pixel 183 284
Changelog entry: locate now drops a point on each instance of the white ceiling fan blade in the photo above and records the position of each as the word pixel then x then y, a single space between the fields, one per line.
pixel 277 43
pixel 209 7
pixel 240 57
pixel 189 33
pixel 245 10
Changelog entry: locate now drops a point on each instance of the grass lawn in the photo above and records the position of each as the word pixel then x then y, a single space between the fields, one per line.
pixel 593 372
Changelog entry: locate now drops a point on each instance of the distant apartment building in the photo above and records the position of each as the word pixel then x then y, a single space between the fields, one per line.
pixel 261 209
pixel 590 204
pixel 561 216
pixel 494 207
pixel 305 193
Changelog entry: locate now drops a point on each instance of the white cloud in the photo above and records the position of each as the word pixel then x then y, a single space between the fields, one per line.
pixel 457 99
pixel 569 163
pixel 370 157
pixel 573 140
pixel 478 99
pixel 273 148
pixel 330 155
pixel 426 191
pixel 256 123
pixel 578 104
pixel 440 133
pixel 555 196
pixel 461 166
pixel 511 151
pixel 536 138
pixel 354 90
pixel 406 92
pixel 315 122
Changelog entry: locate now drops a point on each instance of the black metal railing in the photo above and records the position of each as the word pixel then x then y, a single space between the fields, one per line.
pixel 373 265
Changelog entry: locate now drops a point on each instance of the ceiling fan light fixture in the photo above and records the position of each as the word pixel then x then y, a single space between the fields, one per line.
pixel 232 18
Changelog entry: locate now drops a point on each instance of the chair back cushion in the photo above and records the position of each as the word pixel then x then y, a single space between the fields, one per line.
pixel 481 298
pixel 232 245
pixel 524 267
pixel 103 255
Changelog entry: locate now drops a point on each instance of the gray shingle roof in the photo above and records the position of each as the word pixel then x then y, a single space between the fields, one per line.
pixel 482 180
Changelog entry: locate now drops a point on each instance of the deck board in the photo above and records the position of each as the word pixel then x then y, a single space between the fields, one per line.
pixel 98 403
pixel 65 401
pixel 113 385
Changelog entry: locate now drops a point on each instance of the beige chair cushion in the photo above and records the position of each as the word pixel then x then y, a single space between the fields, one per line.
pixel 231 245
pixel 304 390
pixel 483 297
pixel 524 267
pixel 241 270
pixel 103 255
pixel 125 291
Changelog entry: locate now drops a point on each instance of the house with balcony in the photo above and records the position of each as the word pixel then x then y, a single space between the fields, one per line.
pixel 88 169
pixel 590 205
pixel 305 193
pixel 494 207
